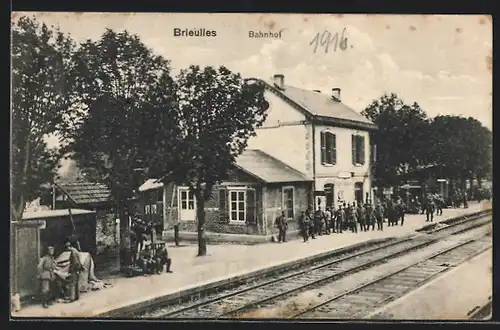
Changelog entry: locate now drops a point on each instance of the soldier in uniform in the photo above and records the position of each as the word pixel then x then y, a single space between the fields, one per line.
pixel 328 221
pixel 400 211
pixel 282 226
pixel 352 218
pixel 311 223
pixel 162 259
pixel 339 218
pixel 370 216
pixel 360 215
pixel 429 211
pixel 439 205
pixel 379 215
pixel 319 217
pixel 46 276
pixel 304 222
pixel 147 263
pixel 75 267
pixel 389 209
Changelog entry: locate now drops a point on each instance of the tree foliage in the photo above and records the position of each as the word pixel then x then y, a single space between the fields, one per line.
pixel 218 113
pixel 461 147
pixel 125 96
pixel 41 99
pixel 401 139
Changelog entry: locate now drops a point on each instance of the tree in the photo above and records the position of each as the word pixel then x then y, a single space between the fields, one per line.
pixel 401 139
pixel 41 89
pixel 41 100
pixel 219 111
pixel 461 147
pixel 125 95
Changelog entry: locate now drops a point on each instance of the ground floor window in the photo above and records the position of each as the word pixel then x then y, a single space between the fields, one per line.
pixel 288 202
pixel 237 205
pixel 358 192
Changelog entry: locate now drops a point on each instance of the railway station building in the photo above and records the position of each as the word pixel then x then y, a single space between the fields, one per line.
pixel 312 150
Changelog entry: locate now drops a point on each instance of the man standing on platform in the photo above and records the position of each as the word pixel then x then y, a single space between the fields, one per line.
pixel 75 267
pixel 311 223
pixel 319 217
pixel 328 221
pixel 282 226
pixel 46 276
pixel 304 222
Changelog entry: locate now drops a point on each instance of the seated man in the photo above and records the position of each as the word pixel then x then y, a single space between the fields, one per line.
pixel 146 261
pixel 163 259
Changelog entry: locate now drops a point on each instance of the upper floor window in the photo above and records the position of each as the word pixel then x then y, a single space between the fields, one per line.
pixel 328 148
pixel 358 149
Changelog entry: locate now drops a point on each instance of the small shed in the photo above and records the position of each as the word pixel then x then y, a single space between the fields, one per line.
pixel 60 224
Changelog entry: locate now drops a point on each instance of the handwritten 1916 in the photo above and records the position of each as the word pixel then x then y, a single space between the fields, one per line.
pixel 330 41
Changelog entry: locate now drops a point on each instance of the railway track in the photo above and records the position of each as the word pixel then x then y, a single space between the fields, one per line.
pixel 265 292
pixel 368 297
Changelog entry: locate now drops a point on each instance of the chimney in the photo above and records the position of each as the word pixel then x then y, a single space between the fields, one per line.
pixel 279 81
pixel 336 94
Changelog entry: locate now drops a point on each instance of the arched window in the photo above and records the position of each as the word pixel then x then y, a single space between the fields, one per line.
pixel 328 148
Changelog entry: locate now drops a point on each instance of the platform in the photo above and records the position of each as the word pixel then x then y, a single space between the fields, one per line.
pixel 222 263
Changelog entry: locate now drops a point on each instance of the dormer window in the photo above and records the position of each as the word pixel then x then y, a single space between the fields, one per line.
pixel 328 148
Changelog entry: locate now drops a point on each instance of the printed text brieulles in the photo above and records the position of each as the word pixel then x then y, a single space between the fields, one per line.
pixel 194 33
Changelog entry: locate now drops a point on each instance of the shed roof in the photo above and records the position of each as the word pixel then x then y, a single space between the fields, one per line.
pixel 267 168
pixel 83 192
pixel 53 213
pixel 321 105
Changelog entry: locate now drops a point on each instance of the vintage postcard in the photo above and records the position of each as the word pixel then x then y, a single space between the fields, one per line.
pixel 177 166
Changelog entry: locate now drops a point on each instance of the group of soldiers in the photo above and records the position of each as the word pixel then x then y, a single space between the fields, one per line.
pixel 355 217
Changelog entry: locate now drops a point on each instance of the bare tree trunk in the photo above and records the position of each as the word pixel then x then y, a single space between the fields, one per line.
pixel 200 217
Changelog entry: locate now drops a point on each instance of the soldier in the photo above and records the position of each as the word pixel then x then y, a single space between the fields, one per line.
pixel 379 215
pixel 359 215
pixel 339 220
pixel 319 217
pixel 162 259
pixel 400 211
pixel 370 216
pixel 464 196
pixel 439 205
pixel 147 263
pixel 390 213
pixel 352 219
pixel 46 276
pixel 311 223
pixel 429 211
pixel 304 226
pixel 328 220
pixel 282 226
pixel 75 267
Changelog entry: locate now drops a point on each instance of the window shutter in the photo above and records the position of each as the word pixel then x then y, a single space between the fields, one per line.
pixel 251 207
pixel 223 206
pixel 334 149
pixel 323 148
pixel 328 148
pixel 362 149
pixel 353 146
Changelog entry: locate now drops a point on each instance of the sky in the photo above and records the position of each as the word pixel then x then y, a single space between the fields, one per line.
pixel 442 62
